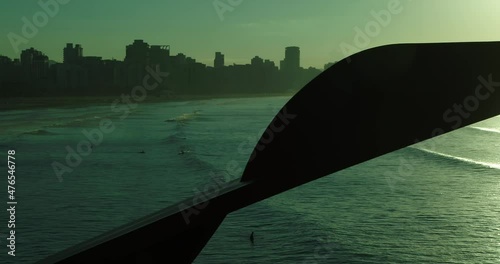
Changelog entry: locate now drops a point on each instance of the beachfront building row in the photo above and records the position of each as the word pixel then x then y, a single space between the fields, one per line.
pixel 35 75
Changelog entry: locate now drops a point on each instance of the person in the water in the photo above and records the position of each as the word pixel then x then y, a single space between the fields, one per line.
pixel 251 238
pixel 142 152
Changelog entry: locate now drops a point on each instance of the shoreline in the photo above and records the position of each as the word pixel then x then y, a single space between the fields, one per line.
pixel 29 103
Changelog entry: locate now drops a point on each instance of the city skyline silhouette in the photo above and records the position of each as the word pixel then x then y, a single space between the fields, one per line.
pixel 34 74
pixel 322 30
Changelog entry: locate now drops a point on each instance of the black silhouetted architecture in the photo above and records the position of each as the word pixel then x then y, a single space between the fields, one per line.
pixel 137 52
pixel 291 63
pixel 219 60
pixel 11 77
pixel 159 55
pixel 72 54
pixel 35 65
pixel 35 75
pixel 292 74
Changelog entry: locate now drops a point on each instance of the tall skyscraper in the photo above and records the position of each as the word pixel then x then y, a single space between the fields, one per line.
pixel 290 68
pixel 292 59
pixel 72 55
pixel 219 60
pixel 78 51
pixel 159 55
pixel 35 64
pixel 137 52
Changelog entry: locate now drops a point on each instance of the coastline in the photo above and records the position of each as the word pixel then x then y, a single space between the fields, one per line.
pixel 29 103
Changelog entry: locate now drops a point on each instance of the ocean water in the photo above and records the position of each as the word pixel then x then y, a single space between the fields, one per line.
pixel 433 202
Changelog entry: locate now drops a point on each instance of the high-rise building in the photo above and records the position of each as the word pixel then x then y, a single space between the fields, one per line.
pixel 292 59
pixel 137 52
pixel 136 60
pixel 219 60
pixel 72 54
pixel 35 64
pixel 159 55
pixel 78 50
pixel 290 69
pixel 5 67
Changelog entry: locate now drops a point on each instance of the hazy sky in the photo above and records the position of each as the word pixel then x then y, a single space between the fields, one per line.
pixel 252 27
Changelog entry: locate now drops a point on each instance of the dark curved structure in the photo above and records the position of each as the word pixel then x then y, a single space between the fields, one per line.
pixel 373 103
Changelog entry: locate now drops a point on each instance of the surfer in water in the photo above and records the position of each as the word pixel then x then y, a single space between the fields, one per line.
pixel 251 237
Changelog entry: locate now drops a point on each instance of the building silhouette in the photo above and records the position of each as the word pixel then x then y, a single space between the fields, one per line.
pixel 219 60
pixel 34 75
pixel 291 63
pixel 72 54
pixel 291 72
pixel 10 77
pixel 35 72
pixel 70 77
pixel 159 55
pixel 35 64
pixel 136 60
pixel 137 52
pixel 138 57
